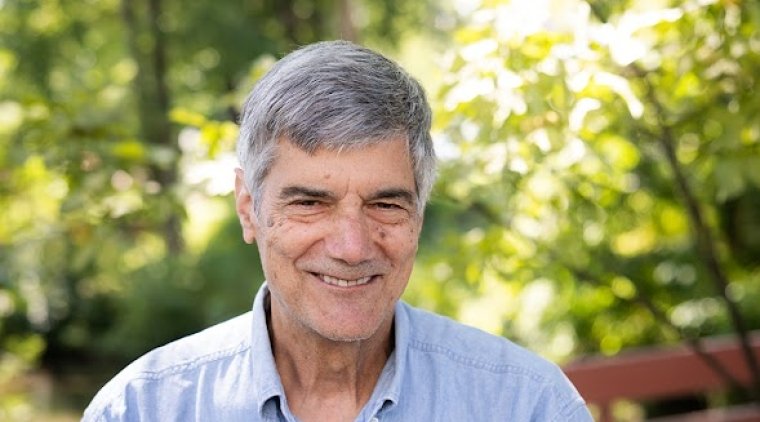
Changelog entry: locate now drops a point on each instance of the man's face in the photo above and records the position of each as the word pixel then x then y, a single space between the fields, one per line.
pixel 337 232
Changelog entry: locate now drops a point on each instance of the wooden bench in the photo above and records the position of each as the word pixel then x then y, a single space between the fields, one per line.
pixel 665 372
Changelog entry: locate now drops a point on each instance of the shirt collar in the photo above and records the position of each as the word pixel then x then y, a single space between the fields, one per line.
pixel 266 380
pixel 389 385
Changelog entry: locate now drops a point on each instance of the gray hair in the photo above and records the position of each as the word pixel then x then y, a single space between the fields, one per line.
pixel 335 95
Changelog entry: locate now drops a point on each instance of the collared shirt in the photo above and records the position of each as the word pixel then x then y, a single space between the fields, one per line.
pixel 440 370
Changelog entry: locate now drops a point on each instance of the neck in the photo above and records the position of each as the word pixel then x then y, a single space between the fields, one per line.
pixel 325 379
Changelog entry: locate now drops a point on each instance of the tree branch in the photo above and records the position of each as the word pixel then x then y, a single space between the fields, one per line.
pixel 703 236
pixel 695 343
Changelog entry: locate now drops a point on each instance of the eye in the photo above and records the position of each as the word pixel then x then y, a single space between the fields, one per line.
pixel 304 207
pixel 387 206
pixel 307 203
pixel 388 212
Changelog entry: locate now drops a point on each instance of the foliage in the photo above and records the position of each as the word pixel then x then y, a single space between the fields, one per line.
pixel 599 174
pixel 602 155
pixel 117 122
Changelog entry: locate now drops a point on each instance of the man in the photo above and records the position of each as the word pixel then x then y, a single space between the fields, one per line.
pixel 337 164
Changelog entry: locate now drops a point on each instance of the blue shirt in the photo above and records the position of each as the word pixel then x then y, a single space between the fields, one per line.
pixel 440 370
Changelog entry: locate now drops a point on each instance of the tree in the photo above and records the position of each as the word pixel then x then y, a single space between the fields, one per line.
pixel 604 190
pixel 96 244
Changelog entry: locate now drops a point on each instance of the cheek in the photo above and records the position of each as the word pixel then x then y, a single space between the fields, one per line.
pixel 278 256
pixel 401 244
pixel 286 241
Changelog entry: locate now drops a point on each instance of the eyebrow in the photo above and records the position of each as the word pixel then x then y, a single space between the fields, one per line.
pixel 303 191
pixel 296 191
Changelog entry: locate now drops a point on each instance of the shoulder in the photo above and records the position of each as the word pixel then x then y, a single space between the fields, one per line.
pixel 175 368
pixel 481 366
pixel 472 347
pixel 217 341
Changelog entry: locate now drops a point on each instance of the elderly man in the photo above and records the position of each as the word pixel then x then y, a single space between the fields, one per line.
pixel 337 164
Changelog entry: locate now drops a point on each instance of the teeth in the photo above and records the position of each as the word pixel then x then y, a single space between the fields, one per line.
pixel 345 283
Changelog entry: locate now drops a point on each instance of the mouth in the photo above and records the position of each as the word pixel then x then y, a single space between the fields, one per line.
pixel 339 282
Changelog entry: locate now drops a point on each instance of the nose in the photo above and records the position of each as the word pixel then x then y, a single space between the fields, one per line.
pixel 349 239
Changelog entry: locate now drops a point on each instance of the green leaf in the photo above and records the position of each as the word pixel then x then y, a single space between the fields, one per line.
pixel 729 180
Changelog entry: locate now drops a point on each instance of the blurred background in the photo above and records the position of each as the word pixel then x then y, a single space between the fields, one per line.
pixel 599 186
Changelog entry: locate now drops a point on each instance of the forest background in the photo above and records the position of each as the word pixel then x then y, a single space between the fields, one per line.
pixel 599 186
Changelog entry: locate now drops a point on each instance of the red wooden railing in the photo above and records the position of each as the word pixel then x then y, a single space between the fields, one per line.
pixel 662 372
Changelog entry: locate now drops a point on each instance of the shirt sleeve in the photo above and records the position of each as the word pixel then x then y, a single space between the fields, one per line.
pixel 577 412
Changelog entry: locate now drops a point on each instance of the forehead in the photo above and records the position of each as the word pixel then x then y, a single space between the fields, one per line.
pixel 382 164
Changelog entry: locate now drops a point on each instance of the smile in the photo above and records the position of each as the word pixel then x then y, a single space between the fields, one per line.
pixel 334 281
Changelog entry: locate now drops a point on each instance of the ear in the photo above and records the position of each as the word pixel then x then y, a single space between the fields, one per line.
pixel 244 208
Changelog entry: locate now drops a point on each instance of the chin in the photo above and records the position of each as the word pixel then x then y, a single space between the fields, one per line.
pixel 347 338
pixel 344 335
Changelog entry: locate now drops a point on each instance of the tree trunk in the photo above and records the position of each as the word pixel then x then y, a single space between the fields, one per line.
pixel 152 104
pixel 347 27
